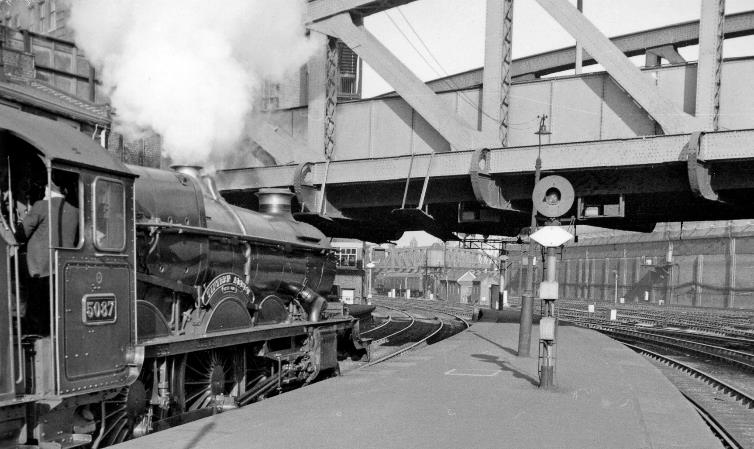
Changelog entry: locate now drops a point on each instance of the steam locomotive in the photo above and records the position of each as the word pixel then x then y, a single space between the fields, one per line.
pixel 171 304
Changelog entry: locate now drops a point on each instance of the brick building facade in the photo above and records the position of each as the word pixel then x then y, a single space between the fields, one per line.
pixel 43 72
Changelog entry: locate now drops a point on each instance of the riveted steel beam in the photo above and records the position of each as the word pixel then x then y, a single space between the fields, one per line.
pixel 709 70
pixel 331 96
pixel 277 143
pixel 322 9
pixel 497 72
pixel 655 55
pixel 633 44
pixel 414 91
pixel 317 95
pixel 641 87
pixel 597 155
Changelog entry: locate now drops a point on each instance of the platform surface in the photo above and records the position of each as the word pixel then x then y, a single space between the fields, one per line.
pixel 470 391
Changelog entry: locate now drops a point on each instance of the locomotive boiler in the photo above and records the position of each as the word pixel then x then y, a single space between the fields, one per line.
pixel 171 304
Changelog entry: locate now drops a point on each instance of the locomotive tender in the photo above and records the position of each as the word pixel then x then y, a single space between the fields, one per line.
pixel 170 306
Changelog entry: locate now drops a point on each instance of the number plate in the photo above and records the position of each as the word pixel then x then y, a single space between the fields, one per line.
pixel 99 309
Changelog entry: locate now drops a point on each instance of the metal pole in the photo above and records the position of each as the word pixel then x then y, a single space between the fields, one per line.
pixel 500 293
pixel 527 299
pixel 547 371
pixel 579 51
pixel 615 272
pixel 369 286
pixel 425 284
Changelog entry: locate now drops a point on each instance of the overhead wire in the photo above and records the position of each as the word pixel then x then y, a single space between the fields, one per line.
pixel 444 72
pixel 454 85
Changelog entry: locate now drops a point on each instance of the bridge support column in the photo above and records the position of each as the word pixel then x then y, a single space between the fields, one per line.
pixel 497 70
pixel 710 64
pixel 317 91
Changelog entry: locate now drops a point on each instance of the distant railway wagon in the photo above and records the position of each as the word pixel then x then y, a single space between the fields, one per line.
pixel 142 299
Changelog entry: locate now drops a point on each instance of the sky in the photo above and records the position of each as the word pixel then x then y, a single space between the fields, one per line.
pixel 453 31
pixel 451 36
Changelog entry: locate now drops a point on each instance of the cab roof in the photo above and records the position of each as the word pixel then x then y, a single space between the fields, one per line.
pixel 58 141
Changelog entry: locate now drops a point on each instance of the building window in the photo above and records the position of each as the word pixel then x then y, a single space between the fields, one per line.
pixel 270 95
pixel 347 257
pixel 41 25
pixel 349 72
pixel 53 15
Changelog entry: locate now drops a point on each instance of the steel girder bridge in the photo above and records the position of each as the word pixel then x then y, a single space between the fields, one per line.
pixel 671 141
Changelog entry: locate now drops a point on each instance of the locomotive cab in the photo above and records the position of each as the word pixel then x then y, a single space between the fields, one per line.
pixel 67 265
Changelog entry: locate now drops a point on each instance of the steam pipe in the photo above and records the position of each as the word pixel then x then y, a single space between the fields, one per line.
pixel 209 183
pixel 313 301
pixel 188 170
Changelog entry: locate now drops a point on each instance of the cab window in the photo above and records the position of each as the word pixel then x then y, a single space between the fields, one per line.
pixel 69 212
pixel 109 215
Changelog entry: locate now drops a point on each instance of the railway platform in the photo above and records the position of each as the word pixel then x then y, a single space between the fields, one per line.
pixel 469 391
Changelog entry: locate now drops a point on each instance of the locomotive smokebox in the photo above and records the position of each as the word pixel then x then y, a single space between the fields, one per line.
pixel 275 202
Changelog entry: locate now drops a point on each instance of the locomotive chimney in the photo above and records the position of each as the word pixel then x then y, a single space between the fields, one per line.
pixel 206 183
pixel 275 202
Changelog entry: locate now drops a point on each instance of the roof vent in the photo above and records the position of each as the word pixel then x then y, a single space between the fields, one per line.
pixel 275 202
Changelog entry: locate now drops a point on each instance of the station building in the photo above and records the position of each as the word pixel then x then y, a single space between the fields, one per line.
pixel 441 271
pixel 44 73
pixel 350 273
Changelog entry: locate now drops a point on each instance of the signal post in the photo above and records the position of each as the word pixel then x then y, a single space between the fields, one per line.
pixel 553 197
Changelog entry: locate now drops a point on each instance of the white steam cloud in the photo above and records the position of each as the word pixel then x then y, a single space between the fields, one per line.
pixel 188 69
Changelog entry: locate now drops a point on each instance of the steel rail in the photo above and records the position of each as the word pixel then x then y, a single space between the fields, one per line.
pixel 745 399
pixel 458 312
pixel 738 358
pixel 717 428
pixel 717 327
pixel 408 348
pixel 423 340
pixel 713 328
pixel 444 311
pixel 388 321
pixel 410 324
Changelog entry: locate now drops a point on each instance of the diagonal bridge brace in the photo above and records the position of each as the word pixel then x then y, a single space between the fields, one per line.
pixel 638 85
pixel 414 91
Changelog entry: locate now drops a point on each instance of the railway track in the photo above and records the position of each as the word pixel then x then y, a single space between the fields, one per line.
pixel 727 408
pixel 734 357
pixel 713 370
pixel 710 321
pixel 414 328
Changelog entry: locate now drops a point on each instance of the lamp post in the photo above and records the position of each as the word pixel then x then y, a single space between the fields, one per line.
pixel 615 273
pixel 370 266
pixel 527 299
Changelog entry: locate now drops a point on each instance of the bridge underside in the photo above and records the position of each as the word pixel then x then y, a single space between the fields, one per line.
pixel 372 169
pixel 626 184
